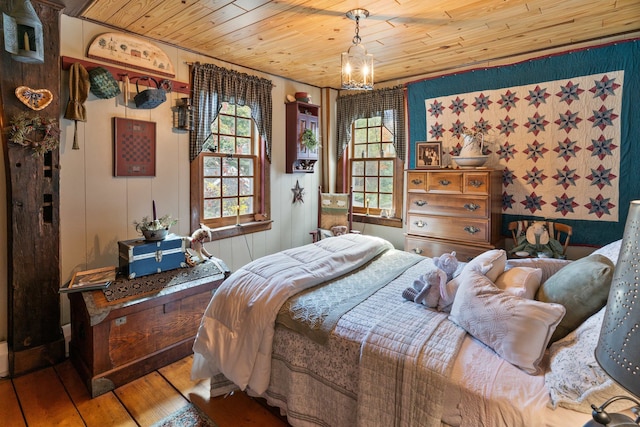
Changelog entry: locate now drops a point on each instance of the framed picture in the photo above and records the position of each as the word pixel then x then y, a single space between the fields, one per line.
pixel 134 147
pixel 429 155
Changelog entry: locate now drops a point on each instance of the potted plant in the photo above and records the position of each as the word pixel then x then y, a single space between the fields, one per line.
pixel 156 229
pixel 308 139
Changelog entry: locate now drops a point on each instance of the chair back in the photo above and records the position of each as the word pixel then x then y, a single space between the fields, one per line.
pixel 558 231
pixel 334 209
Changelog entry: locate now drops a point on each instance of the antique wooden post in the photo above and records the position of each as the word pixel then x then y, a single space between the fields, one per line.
pixel 33 194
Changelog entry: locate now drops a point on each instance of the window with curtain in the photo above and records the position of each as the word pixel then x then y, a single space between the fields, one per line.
pixel 230 151
pixel 372 146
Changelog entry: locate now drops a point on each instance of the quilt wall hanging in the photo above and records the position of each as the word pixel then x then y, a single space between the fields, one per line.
pixel 565 130
pixel 557 142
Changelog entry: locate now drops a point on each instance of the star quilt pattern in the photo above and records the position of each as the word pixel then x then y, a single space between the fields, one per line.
pixel 558 142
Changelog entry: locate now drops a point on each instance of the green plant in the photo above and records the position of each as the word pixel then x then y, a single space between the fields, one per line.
pixel 308 139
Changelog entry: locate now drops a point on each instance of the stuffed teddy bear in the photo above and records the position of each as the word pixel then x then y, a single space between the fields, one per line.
pixel 431 289
pixel 427 288
pixel 447 263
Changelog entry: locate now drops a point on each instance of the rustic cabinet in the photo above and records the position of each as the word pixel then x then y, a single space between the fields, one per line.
pixel 115 342
pixel 453 210
pixel 301 116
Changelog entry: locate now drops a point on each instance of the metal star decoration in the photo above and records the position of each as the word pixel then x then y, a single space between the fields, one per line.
pixel 298 193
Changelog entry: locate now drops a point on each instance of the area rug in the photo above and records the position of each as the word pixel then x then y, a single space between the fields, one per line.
pixel 189 416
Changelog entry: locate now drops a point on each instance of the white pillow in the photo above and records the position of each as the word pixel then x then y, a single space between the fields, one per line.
pixel 517 329
pixel 575 380
pixel 492 264
pixel 520 281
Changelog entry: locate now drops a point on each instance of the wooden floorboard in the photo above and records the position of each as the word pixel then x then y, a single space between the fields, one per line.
pixel 45 401
pixel 56 396
pixel 103 410
pixel 9 406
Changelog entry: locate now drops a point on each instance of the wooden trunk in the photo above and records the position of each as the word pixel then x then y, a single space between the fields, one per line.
pixel 115 342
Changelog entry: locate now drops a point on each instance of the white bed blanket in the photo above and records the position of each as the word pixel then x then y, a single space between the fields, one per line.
pixel 236 331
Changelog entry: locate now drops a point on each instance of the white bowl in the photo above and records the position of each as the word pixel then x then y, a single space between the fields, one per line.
pixel 470 162
pixel 155 235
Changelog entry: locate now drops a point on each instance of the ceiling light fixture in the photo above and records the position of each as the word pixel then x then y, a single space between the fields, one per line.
pixel 357 64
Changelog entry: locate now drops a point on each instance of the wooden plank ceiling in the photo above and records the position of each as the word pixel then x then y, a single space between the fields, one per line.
pixel 302 39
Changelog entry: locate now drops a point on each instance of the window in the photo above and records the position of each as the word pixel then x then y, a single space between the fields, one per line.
pixel 375 172
pixel 228 183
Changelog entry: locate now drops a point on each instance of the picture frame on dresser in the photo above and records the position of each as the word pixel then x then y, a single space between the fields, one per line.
pixel 429 155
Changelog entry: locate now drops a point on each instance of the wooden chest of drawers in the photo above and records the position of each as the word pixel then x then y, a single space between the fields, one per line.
pixel 453 210
pixel 115 342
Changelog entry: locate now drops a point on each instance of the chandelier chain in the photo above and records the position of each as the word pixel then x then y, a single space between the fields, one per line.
pixel 356 38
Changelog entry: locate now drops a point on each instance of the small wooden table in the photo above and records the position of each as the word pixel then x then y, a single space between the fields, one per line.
pixel 115 342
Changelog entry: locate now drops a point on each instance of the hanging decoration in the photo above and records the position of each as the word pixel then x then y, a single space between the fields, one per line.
pixel 36 99
pixel 39 133
pixel 298 193
pixel 124 49
pixel 23 36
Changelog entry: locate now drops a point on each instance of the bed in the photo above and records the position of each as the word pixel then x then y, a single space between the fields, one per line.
pixel 323 333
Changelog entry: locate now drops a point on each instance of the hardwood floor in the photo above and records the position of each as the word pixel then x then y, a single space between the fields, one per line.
pixel 56 396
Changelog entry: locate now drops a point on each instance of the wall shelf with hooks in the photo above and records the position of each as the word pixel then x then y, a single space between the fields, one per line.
pixel 118 73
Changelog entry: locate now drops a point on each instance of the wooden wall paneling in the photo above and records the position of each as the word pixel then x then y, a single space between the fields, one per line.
pixel 34 334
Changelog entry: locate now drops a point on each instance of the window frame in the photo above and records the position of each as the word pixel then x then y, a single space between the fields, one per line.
pixel 226 226
pixel 344 184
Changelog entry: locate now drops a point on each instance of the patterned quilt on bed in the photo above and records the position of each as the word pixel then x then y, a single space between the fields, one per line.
pixel 385 359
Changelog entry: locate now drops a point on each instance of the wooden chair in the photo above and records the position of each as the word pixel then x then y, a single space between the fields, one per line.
pixel 335 215
pixel 558 231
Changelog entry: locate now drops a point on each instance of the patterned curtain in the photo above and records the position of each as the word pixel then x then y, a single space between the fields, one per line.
pixel 213 85
pixel 387 103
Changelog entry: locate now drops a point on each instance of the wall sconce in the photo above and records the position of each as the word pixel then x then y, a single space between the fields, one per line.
pixel 183 115
pixel 23 33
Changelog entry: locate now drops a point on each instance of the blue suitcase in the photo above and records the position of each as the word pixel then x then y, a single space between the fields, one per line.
pixel 140 257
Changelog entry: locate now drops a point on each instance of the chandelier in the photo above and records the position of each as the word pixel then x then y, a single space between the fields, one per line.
pixel 357 64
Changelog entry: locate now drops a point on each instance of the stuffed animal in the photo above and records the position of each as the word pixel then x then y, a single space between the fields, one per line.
pixel 536 240
pixel 426 289
pixel 196 241
pixel 447 263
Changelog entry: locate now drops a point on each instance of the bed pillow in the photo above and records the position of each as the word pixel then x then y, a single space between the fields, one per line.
pixel 582 287
pixel 520 281
pixel 574 379
pixel 517 329
pixel 492 263
pixel 549 266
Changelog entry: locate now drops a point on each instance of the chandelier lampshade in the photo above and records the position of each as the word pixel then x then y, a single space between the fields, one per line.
pixel 357 64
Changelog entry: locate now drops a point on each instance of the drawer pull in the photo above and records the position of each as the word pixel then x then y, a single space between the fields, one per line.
pixel 420 223
pixel 444 182
pixel 471 229
pixel 416 181
pixel 476 183
pixel 420 202
pixel 471 207
pixel 418 251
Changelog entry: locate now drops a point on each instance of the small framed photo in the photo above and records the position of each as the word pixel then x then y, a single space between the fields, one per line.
pixel 429 155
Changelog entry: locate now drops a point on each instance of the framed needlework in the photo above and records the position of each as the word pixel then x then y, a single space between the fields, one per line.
pixel 134 147
pixel 429 155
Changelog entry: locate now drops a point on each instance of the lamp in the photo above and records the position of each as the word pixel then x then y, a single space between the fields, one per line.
pixel 183 115
pixel 23 33
pixel 618 349
pixel 357 64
